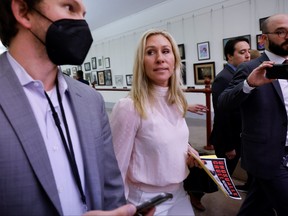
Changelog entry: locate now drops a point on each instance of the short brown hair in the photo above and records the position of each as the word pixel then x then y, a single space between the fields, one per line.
pixel 8 23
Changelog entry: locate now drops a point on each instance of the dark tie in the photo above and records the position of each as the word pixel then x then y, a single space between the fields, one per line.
pixel 285 61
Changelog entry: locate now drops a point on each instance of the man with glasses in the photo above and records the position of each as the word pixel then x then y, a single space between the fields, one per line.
pixel 264 106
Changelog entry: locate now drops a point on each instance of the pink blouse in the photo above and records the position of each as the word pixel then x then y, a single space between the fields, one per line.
pixel 151 152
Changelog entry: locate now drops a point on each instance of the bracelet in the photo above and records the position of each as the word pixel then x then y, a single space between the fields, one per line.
pixel 250 85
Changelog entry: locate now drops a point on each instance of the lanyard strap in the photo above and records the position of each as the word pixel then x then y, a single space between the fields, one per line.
pixel 69 150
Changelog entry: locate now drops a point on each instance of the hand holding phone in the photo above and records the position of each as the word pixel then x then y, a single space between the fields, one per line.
pixel 147 205
pixel 278 71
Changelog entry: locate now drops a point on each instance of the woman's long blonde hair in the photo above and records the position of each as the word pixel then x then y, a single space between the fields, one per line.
pixel 142 89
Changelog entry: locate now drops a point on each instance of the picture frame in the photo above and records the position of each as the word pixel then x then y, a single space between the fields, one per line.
pixel 74 70
pixel 259 42
pixel 225 40
pixel 94 78
pixel 181 48
pixel 108 77
pixel 93 62
pixel 203 50
pixel 261 20
pixel 203 71
pixel 87 66
pixel 88 77
pixel 107 62
pixel 118 80
pixel 100 64
pixel 79 67
pixel 68 71
pixel 184 79
pixel 129 79
pixel 101 78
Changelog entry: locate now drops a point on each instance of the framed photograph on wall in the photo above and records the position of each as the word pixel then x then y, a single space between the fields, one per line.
pixel 119 80
pixel 108 77
pixel 203 50
pixel 203 71
pixel 79 67
pixel 184 73
pixel 225 40
pixel 260 42
pixel 101 78
pixel 107 62
pixel 68 71
pixel 129 79
pixel 181 51
pixel 88 77
pixel 94 78
pixel 93 61
pixel 74 69
pixel 100 63
pixel 261 20
pixel 87 66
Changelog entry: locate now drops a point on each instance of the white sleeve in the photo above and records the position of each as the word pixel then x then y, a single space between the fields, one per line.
pixel 124 122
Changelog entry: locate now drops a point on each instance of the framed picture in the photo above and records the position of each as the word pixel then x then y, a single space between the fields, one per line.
pixel 107 62
pixel 88 77
pixel 101 78
pixel 100 64
pixel 87 66
pixel 259 42
pixel 184 73
pixel 203 71
pixel 261 20
pixel 93 61
pixel 68 71
pixel 79 67
pixel 129 79
pixel 94 78
pixel 74 69
pixel 225 40
pixel 119 80
pixel 108 77
pixel 203 50
pixel 181 51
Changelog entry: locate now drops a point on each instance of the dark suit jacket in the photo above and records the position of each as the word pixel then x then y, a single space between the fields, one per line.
pixel 84 81
pixel 27 185
pixel 226 131
pixel 264 121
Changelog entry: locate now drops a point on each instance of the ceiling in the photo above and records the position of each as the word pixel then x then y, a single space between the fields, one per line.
pixel 103 12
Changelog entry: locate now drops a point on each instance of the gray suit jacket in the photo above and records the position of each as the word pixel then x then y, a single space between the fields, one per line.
pixel 27 185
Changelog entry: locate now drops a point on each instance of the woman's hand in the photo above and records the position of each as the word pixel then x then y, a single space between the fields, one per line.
pixel 191 161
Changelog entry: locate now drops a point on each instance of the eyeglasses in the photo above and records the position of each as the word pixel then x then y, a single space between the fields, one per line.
pixel 281 33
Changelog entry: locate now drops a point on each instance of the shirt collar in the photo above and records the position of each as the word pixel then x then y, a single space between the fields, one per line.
pixel 275 58
pixel 27 81
pixel 232 66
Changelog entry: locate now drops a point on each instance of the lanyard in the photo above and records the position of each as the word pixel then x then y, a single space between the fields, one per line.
pixel 68 149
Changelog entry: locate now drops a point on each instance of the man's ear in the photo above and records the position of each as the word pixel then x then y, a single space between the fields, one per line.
pixel 20 11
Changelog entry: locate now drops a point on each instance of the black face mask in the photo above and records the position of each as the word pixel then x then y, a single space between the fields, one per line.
pixel 67 41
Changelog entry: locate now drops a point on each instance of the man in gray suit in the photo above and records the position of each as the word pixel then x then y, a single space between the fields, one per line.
pixel 264 106
pixel 56 153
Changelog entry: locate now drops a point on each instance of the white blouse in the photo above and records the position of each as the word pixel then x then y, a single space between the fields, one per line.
pixel 151 152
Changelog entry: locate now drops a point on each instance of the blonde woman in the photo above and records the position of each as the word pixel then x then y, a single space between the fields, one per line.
pixel 149 131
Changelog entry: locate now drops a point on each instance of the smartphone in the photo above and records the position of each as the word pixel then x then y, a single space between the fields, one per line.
pixel 278 71
pixel 147 205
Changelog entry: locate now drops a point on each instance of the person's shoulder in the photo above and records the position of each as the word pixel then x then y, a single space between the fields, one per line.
pixel 125 103
pixel 224 72
pixel 79 87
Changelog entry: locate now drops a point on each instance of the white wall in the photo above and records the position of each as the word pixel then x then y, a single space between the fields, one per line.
pixel 190 22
